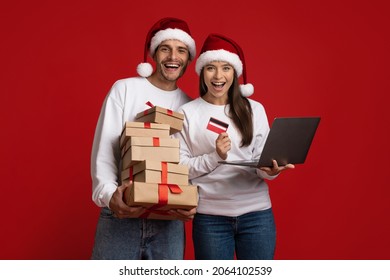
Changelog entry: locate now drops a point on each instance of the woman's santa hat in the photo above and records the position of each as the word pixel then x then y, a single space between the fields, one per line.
pixel 220 48
pixel 165 29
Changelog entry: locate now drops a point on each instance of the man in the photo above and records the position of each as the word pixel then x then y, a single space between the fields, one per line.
pixel 171 46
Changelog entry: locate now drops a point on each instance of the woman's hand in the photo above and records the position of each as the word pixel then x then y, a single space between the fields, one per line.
pixel 223 145
pixel 276 169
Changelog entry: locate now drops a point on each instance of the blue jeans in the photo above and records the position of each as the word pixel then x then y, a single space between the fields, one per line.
pixel 251 236
pixel 136 239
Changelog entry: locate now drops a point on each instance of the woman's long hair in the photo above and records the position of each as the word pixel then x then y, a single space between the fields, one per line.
pixel 240 110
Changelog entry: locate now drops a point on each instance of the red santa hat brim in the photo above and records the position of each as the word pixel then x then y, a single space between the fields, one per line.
pixel 219 55
pixel 173 34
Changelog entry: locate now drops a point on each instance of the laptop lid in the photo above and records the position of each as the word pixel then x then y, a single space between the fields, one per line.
pixel 288 141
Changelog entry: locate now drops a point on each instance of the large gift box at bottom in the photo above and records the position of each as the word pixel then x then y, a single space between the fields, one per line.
pixel 159 198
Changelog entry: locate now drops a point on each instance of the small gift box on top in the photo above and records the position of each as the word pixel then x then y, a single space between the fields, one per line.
pixel 161 115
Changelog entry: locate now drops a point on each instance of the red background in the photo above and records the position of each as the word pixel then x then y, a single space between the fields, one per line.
pixel 326 58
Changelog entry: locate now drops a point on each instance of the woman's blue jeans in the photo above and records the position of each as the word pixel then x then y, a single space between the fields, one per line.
pixel 251 236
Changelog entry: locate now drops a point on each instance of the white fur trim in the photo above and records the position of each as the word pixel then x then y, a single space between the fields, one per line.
pixel 219 55
pixel 144 69
pixel 247 90
pixel 173 34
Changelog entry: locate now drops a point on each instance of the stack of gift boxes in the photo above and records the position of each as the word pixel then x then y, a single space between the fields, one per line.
pixel 150 162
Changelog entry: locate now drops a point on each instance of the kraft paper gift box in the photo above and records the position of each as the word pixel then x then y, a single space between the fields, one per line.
pixel 161 115
pixel 156 172
pixel 159 198
pixel 143 129
pixel 150 148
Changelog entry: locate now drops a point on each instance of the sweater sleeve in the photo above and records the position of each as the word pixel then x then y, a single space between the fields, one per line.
pixel 105 155
pixel 197 165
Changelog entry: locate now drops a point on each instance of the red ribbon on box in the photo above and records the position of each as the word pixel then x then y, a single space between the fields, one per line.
pixel 147 125
pixel 164 172
pixel 150 105
pixel 163 193
pixel 156 142
pixel 174 188
pixel 169 112
pixel 162 197
pixel 131 174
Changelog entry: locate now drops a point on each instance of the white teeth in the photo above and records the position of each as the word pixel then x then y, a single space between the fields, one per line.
pixel 172 65
pixel 218 84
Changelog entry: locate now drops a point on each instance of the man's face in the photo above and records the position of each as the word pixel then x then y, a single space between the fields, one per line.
pixel 172 58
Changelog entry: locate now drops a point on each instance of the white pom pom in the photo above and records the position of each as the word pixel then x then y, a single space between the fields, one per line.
pixel 247 90
pixel 144 69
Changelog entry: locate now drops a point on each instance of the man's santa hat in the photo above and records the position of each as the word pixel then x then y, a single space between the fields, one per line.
pixel 165 29
pixel 220 48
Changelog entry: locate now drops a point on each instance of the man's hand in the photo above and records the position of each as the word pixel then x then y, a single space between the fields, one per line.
pixel 184 215
pixel 223 145
pixel 119 207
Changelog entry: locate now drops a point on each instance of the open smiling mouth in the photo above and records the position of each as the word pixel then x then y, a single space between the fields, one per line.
pixel 218 85
pixel 172 66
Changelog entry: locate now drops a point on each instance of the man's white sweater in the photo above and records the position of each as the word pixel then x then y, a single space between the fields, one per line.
pixel 126 98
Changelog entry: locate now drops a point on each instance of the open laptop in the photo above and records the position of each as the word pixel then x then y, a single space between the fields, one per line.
pixel 288 141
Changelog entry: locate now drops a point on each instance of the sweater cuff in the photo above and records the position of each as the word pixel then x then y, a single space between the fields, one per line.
pixel 213 159
pixel 106 195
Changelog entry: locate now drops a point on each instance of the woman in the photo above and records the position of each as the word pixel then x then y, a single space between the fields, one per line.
pixel 234 215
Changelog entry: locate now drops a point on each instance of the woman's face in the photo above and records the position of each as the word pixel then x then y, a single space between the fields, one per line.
pixel 218 77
